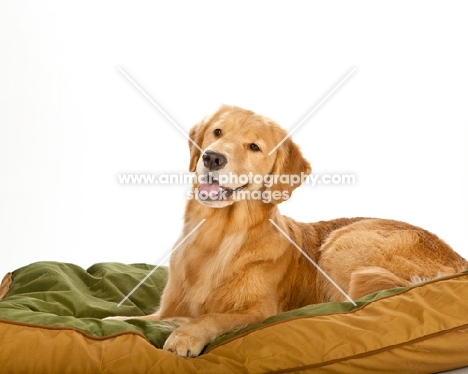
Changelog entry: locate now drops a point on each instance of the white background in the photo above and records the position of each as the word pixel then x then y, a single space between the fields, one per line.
pixel 70 122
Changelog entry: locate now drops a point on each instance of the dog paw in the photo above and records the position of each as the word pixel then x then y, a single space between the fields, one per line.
pixel 184 344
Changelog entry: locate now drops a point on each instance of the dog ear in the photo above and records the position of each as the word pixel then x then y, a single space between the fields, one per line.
pixel 289 170
pixel 196 136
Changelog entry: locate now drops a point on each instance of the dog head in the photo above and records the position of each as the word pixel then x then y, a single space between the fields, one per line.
pixel 235 164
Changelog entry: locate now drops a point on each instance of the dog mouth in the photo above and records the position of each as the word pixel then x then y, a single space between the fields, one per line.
pixel 214 191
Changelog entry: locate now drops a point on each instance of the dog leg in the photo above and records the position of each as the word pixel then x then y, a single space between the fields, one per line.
pixel 149 317
pixel 371 279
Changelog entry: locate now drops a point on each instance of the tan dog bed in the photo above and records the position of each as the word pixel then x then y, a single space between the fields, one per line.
pixel 50 322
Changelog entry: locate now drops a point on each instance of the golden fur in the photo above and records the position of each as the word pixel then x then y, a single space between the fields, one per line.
pixel 237 268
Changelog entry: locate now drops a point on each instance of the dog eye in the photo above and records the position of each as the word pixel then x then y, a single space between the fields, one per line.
pixel 254 147
pixel 217 132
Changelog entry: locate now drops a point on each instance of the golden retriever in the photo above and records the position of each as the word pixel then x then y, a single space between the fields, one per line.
pixel 238 268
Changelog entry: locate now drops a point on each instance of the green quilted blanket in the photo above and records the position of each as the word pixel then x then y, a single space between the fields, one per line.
pixel 60 294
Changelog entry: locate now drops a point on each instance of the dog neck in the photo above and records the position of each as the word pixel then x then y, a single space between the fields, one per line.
pixel 242 215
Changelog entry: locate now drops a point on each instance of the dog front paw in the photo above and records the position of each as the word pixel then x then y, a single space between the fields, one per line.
pixel 183 343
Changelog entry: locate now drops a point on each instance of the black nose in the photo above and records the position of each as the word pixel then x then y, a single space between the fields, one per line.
pixel 213 160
